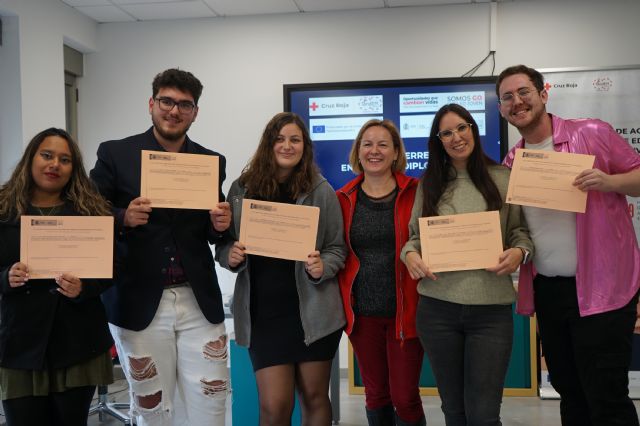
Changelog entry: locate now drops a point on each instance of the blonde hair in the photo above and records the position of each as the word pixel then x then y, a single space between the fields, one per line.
pixel 399 165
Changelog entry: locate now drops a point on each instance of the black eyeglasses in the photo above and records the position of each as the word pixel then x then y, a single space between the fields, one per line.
pixel 447 135
pixel 167 104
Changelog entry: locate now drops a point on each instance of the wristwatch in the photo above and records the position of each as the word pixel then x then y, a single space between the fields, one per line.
pixel 525 255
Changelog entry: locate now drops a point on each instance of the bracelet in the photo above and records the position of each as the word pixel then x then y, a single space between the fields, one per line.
pixel 524 255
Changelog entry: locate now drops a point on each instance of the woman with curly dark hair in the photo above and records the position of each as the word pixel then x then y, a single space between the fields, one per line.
pixel 288 313
pixel 54 338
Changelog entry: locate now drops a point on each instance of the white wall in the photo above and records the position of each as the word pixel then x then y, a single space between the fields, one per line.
pixel 244 61
pixel 43 26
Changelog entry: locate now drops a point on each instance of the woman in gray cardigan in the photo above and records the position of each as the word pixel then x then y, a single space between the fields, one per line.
pixel 289 313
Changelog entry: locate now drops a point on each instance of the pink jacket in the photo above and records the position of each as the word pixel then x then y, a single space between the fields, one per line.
pixel 608 270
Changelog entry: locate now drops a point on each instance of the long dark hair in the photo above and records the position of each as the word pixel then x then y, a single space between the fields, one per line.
pixel 441 172
pixel 15 194
pixel 259 177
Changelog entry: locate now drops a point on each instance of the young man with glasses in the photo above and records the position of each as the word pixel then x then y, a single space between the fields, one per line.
pixel 165 308
pixel 584 279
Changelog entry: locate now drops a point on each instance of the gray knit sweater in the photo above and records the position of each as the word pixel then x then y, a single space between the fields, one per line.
pixel 475 287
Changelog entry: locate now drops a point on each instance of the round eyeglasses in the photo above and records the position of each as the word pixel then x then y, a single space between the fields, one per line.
pixel 447 135
pixel 524 93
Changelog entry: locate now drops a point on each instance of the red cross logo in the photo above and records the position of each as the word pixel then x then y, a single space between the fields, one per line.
pixel 547 86
pixel 313 106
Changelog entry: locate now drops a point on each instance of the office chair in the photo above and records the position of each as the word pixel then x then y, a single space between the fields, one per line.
pixel 105 408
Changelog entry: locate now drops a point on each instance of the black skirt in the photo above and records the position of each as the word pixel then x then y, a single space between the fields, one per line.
pixel 277 337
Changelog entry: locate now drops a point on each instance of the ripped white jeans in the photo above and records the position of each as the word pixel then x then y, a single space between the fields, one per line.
pixel 180 350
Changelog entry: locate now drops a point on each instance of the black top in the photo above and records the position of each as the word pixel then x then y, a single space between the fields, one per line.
pixel 42 329
pixel 373 240
pixel 143 253
pixel 273 283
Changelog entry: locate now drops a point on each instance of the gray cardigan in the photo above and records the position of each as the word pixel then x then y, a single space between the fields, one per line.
pixel 320 302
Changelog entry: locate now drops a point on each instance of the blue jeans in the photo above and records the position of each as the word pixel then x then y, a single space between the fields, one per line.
pixel 469 347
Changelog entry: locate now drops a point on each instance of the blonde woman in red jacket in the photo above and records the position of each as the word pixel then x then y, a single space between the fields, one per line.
pixel 378 295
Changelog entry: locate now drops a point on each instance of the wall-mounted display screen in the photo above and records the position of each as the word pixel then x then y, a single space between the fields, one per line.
pixel 334 113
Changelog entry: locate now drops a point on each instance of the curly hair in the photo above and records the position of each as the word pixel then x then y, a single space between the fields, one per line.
pixel 399 165
pixel 259 176
pixel 15 194
pixel 441 172
pixel 177 79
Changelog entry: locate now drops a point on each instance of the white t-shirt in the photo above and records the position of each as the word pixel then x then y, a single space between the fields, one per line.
pixel 553 233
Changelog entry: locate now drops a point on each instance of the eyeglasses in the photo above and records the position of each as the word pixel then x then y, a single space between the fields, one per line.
pixel 461 129
pixel 167 104
pixel 524 93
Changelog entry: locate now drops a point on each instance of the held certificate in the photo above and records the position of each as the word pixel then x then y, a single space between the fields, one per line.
pixel 461 242
pixel 179 181
pixel 545 179
pixel 281 230
pixel 78 245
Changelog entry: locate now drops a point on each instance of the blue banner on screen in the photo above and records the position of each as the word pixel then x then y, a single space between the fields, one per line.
pixel 334 113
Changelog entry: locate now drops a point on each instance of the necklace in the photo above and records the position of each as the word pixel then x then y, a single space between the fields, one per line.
pixel 49 211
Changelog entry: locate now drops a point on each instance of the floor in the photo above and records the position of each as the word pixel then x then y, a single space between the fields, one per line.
pixel 516 411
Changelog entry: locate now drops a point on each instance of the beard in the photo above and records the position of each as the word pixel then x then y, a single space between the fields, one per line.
pixel 173 136
pixel 537 116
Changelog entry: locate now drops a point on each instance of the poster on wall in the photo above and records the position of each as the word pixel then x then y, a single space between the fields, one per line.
pixel 613 96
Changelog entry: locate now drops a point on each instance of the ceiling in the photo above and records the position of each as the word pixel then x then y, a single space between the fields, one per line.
pixel 148 10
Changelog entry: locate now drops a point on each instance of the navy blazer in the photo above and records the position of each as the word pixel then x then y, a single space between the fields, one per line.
pixel 142 252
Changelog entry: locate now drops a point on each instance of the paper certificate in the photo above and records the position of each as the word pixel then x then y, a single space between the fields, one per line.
pixel 179 181
pixel 461 242
pixel 545 179
pixel 78 245
pixel 285 231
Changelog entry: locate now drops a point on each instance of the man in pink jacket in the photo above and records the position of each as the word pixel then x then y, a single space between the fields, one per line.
pixel 583 282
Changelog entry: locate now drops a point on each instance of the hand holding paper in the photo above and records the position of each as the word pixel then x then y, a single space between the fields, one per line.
pixel 593 180
pixel 221 216
pixel 509 261
pixel 236 254
pixel 314 265
pixel 69 285
pixel 18 274
pixel 417 268
pixel 138 212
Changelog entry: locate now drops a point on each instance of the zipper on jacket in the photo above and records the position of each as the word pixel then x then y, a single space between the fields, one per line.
pixel 400 303
pixel 348 241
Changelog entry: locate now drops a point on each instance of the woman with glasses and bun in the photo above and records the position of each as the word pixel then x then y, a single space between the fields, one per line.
pixel 54 337
pixel 464 318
